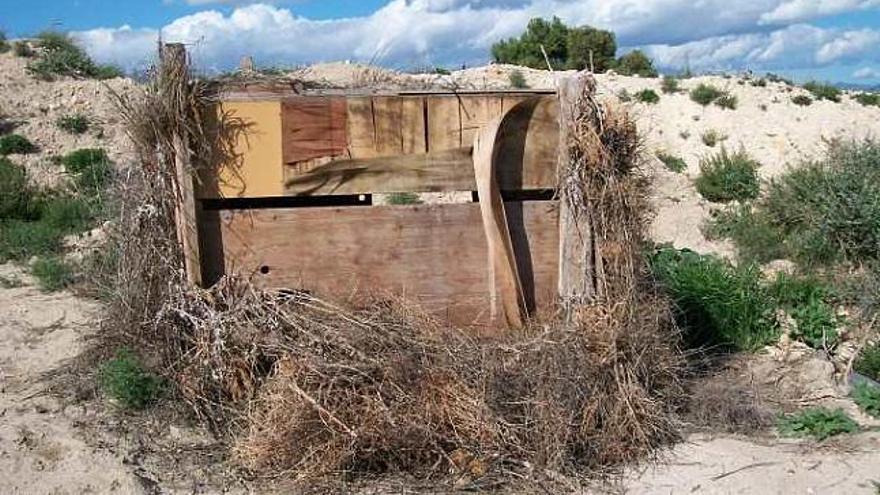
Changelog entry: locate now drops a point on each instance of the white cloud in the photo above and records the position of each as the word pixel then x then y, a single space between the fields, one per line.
pixel 867 73
pixel 404 33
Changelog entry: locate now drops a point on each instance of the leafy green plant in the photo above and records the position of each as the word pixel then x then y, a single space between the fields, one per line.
pixel 868 362
pixel 90 168
pixel 669 85
pixel 404 199
pixel 775 78
pixel 806 299
pixel 705 94
pixel 52 273
pixel 566 47
pixel 15 192
pixel 823 91
pixel 4 45
pixel 726 177
pixel 718 304
pixel 59 55
pixel 727 101
pixel 672 162
pixel 756 238
pixel 128 382
pixel 16 144
pixel 712 137
pixel 73 124
pixel 647 96
pixel 819 423
pixel 802 100
pixel 518 80
pixel 868 99
pixel 867 397
pixel 635 63
pixel 759 83
pixel 23 49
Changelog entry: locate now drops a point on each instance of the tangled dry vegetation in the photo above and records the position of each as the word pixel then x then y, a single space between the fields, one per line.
pixel 303 388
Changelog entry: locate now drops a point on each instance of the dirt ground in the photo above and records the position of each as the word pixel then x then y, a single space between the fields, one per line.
pixel 71 442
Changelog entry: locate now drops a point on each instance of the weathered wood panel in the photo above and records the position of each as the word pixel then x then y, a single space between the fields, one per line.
pixel 433 254
pixel 260 172
pixel 313 127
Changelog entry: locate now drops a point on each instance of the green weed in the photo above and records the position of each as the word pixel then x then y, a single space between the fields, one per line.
pixel 90 168
pixel 404 199
pixel 819 423
pixel 648 96
pixel 712 137
pixel 16 144
pixel 756 238
pixel 128 382
pixel 802 100
pixel 669 85
pixel 867 397
pixel 60 56
pixel 807 301
pixel 52 273
pixel 672 162
pixel 868 99
pixel 868 363
pixel 822 91
pixel 518 80
pixel 727 102
pixel 73 124
pixel 726 177
pixel 705 94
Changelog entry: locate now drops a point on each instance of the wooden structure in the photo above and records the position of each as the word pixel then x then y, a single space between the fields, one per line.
pixel 297 212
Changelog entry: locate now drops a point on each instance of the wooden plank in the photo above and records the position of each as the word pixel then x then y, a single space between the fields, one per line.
pixel 477 112
pixel 433 254
pixel 413 125
pixel 388 119
pixel 361 131
pixel 261 171
pixel 313 127
pixel 444 123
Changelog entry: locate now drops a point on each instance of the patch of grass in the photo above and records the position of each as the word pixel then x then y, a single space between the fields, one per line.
pixel 779 79
pixel 59 55
pixel 16 144
pixel 727 102
pixel 868 362
pixel 868 99
pixel 19 240
pixel 624 96
pixel 718 304
pixel 404 199
pixel 4 45
pixel 10 282
pixel 807 300
pixel 669 85
pixel 712 137
pixel 73 124
pixel 90 168
pixel 759 83
pixel 802 100
pixel 756 239
pixel 819 423
pixel 52 273
pixel 672 162
pixel 15 191
pixel 518 80
pixel 867 397
pixel 128 382
pixel 705 94
pixel 648 96
pixel 823 91
pixel 726 177
pixel 23 49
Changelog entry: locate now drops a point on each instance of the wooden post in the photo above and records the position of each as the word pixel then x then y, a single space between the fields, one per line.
pixel 186 215
pixel 576 255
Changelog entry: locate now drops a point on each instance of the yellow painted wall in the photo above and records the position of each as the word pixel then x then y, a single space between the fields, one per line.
pixel 261 173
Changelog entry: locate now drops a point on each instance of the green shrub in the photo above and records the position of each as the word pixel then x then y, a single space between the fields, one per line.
pixel 779 79
pixel 868 99
pixel 90 168
pixel 823 91
pixel 672 162
pixel 4 45
pixel 60 56
pixel 15 192
pixel 128 382
pixel 819 423
pixel 756 238
pixel 712 137
pixel 759 83
pixel 20 239
pixel 868 362
pixel 624 96
pixel 705 94
pixel 518 80
pixel 807 300
pixel 867 397
pixel 669 85
pixel 718 304
pixel 52 273
pixel 73 124
pixel 802 100
pixel 23 49
pixel 726 177
pixel 648 96
pixel 590 48
pixel 404 199
pixel 16 144
pixel 727 101
pixel 553 35
pixel 635 63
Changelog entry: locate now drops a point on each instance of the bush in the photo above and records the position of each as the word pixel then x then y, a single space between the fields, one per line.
pixel 4 45
pixel 669 85
pixel 756 239
pixel 49 220
pixel 867 397
pixel 635 63
pixel 712 137
pixel 16 144
pixel 128 382
pixel 553 35
pixel 404 199
pixel 518 80
pixel 90 168
pixel 59 55
pixel 726 101
pixel 728 177
pixel 705 94
pixel 23 49
pixel 759 83
pixel 672 162
pixel 868 362
pixel 802 100
pixel 823 91
pixel 819 423
pixel 15 191
pixel 52 273
pixel 73 124
pixel 807 301
pixel 648 96
pixel 624 96
pixel 868 99
pixel 718 304
pixel 586 39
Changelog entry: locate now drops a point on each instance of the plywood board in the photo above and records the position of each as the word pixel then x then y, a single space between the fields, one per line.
pixel 433 254
pixel 413 125
pixel 313 127
pixel 260 172
pixel 444 123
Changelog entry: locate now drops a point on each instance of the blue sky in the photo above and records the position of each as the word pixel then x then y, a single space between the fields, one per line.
pixel 827 39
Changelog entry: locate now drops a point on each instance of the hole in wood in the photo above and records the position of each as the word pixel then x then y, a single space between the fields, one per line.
pixel 264 270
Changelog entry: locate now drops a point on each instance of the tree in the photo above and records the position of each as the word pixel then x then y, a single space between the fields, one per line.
pixel 586 39
pixel 636 63
pixel 526 51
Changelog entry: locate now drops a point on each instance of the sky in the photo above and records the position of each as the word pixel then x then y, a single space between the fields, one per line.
pixel 833 40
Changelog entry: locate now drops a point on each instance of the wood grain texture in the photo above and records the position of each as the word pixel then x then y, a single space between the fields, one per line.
pixel 435 255
pixel 313 127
